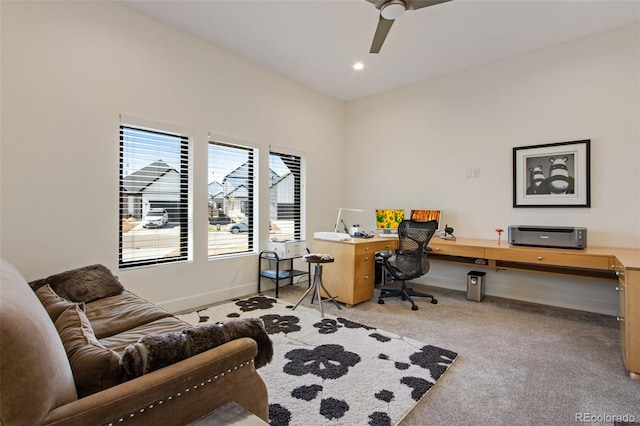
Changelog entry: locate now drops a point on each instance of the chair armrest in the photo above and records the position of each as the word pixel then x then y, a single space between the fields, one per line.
pixel 177 394
pixel 384 254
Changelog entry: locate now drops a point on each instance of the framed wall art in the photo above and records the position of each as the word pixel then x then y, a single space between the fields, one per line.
pixel 552 175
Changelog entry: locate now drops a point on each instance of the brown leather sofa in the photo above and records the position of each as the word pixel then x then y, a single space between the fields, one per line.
pixel 39 381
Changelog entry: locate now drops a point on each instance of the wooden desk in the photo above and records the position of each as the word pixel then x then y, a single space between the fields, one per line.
pixel 352 277
pixel 594 262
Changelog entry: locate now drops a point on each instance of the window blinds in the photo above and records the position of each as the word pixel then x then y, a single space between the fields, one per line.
pixel 154 177
pixel 231 180
pixel 286 195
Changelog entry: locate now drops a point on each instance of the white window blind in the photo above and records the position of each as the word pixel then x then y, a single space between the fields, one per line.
pixel 231 181
pixel 286 195
pixel 154 197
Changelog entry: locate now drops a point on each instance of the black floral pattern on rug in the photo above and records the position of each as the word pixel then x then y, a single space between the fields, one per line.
pixel 325 361
pixel 379 419
pixel 332 408
pixel 419 387
pixel 327 326
pixel 353 324
pixel 307 393
pixel 385 395
pixel 379 337
pixel 437 360
pixel 274 323
pixel 279 415
pixel 402 365
pixel 255 303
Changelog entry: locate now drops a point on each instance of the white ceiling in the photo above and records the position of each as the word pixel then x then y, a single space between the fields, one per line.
pixel 316 42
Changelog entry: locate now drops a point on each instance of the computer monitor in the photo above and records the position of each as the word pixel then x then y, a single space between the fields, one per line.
pixel 388 220
pixel 426 215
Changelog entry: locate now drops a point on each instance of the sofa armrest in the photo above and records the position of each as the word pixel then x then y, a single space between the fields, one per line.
pixel 177 394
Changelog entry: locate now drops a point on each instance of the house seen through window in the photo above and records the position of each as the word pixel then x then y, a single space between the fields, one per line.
pixel 154 197
pixel 286 192
pixel 231 178
pixel 155 193
pixel 232 224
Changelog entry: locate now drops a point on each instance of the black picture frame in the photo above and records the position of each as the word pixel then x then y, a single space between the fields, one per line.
pixel 552 175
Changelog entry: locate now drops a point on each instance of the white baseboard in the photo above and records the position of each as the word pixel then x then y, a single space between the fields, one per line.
pixel 189 303
pixel 203 299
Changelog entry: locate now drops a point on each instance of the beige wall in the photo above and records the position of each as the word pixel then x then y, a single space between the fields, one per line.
pixel 70 68
pixel 414 145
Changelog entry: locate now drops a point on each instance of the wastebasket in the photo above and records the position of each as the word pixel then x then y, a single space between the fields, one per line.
pixel 475 285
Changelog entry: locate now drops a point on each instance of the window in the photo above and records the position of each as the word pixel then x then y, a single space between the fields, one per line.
pixel 154 196
pixel 286 193
pixel 231 198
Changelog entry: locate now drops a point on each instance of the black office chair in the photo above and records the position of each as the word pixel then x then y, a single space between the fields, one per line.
pixel 410 259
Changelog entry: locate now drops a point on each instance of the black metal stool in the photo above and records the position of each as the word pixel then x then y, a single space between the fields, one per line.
pixel 318 259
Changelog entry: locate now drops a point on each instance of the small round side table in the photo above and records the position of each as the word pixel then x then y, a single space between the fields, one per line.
pixel 317 259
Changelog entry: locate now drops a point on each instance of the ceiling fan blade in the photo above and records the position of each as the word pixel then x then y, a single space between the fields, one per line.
pixel 419 4
pixel 384 25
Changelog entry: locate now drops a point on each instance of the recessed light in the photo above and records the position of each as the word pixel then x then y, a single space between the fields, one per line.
pixel 358 66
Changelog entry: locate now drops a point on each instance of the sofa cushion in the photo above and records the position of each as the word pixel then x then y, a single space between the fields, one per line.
pixel 115 314
pixel 54 304
pixel 94 367
pixel 84 284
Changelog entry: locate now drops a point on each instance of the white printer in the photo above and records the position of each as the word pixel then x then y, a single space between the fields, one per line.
pixel 287 249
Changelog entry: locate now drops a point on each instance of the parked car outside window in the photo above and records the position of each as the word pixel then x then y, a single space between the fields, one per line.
pixel 219 220
pixel 155 218
pixel 238 227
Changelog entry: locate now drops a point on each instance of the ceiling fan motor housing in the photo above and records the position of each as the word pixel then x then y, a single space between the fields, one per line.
pixel 393 9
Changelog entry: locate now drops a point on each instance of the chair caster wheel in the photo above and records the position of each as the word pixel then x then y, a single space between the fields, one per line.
pixel 380 302
pixel 414 308
pixel 434 301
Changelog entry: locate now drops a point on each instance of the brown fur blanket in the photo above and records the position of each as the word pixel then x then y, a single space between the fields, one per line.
pixel 84 284
pixel 156 351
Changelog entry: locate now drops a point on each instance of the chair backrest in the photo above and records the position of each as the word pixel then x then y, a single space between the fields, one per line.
pixel 414 238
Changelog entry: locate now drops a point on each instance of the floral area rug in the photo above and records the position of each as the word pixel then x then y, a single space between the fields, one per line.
pixel 334 371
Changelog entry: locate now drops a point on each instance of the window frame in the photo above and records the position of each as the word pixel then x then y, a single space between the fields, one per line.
pixel 295 161
pixel 249 207
pixel 183 206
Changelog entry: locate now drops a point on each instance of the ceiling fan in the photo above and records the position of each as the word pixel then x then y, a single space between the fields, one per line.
pixel 391 10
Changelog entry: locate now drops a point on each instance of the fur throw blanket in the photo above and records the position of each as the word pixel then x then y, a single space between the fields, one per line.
pixel 155 351
pixel 84 284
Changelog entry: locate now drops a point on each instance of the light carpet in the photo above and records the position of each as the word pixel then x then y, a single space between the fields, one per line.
pixel 334 371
